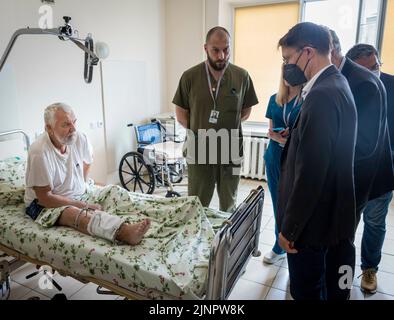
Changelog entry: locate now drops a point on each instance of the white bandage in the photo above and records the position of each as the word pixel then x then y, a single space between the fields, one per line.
pixel 104 225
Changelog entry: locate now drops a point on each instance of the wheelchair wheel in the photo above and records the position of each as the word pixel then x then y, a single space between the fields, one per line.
pixel 176 175
pixel 135 175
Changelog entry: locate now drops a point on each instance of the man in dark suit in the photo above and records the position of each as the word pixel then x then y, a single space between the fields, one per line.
pixel 375 211
pixel 316 207
pixel 373 165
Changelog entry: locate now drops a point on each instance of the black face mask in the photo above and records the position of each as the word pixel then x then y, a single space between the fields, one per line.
pixel 293 74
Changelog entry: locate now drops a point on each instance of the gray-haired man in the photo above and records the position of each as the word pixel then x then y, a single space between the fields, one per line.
pixel 58 164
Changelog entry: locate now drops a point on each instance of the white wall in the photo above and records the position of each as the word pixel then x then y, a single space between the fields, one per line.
pixel 185 30
pixel 48 70
pixel 9 117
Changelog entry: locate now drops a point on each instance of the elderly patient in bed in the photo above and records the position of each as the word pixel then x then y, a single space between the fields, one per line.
pixel 56 188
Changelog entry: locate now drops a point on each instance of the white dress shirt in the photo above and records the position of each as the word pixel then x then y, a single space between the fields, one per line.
pixel 307 88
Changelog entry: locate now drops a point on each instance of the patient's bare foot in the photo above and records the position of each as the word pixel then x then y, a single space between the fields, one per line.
pixel 133 233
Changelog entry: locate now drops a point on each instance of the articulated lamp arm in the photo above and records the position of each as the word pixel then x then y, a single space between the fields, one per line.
pixel 64 33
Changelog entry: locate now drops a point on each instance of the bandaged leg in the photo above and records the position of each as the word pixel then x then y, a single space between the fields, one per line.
pixel 104 225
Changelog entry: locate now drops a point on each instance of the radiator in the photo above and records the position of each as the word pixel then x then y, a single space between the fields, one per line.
pixel 253 165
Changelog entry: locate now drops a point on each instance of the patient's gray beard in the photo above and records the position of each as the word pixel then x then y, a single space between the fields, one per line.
pixel 67 141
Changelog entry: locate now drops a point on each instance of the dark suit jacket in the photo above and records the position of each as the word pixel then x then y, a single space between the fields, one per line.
pixel 373 166
pixel 388 81
pixel 316 203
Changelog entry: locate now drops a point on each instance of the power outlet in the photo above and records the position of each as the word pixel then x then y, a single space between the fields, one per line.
pixel 96 125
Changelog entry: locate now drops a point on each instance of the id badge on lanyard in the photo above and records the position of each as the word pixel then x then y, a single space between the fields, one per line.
pixel 214 116
pixel 286 119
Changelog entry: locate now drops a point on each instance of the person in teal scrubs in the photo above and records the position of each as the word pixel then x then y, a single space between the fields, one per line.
pixel 282 112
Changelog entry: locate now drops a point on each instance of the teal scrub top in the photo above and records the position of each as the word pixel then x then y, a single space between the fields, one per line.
pixel 275 113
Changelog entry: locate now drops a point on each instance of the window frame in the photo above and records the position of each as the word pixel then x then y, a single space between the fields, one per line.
pixel 381 20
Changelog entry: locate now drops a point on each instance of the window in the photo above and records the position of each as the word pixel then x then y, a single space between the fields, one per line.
pixel 257 31
pixel 354 21
pixel 339 15
pixel 387 55
pixel 369 22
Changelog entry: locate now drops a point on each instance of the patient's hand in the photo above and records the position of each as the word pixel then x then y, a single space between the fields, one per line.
pixel 94 206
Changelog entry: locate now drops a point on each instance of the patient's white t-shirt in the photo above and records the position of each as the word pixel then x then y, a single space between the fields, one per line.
pixel 46 166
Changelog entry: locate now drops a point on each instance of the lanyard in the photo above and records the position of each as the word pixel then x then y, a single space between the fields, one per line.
pixel 214 98
pixel 342 64
pixel 286 119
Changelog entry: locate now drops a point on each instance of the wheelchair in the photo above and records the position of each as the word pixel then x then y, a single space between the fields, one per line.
pixel 158 161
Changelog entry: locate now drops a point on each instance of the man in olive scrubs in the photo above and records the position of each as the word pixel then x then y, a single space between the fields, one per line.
pixel 215 95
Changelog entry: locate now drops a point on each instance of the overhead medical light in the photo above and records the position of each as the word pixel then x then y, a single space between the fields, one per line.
pixel 102 50
pixel 64 33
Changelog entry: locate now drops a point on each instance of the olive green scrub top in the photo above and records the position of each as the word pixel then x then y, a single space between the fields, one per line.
pixel 236 93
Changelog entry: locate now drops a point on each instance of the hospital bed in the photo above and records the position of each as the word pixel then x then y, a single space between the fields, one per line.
pixel 140 272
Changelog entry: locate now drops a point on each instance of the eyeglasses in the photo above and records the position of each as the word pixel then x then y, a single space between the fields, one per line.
pixel 286 61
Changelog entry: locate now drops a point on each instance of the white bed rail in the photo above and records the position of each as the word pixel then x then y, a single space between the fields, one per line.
pixel 6 265
pixel 26 138
pixel 233 246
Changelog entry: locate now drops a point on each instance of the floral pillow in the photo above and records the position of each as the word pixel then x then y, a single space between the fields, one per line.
pixel 12 181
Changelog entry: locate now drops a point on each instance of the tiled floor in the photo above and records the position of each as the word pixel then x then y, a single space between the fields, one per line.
pixel 269 282
pixel 272 282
